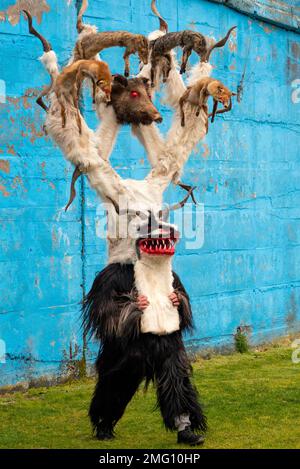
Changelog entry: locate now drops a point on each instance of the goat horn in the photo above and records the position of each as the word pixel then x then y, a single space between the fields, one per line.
pixel 46 45
pixel 163 25
pixel 80 25
pixel 220 43
pixel 166 211
pixel 75 176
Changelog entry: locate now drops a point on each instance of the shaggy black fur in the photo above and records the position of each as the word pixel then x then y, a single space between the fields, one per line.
pixel 110 311
pixel 161 359
pixel 127 357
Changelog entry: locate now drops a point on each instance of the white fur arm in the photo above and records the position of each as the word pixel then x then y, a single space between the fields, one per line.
pixel 107 183
pixel 181 141
pixel 107 131
pixel 151 139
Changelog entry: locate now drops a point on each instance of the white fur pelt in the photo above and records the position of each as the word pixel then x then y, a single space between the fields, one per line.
pixel 154 279
pixel 108 129
pixel 50 62
pixel 198 71
pixel 79 149
pixel 180 141
pixel 151 139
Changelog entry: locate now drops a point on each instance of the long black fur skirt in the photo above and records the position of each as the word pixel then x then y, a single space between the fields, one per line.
pixel 161 359
pixel 127 356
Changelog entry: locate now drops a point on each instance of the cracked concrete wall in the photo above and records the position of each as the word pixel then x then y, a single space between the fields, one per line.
pixel 247 171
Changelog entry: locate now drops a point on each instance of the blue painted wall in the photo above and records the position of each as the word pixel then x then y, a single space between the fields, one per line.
pixel 247 172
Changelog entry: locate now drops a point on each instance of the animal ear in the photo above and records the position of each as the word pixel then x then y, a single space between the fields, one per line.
pixel 121 80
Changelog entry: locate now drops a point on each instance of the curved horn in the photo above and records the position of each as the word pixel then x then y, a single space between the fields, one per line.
pixel 80 25
pixel 75 176
pixel 164 213
pixel 46 45
pixel 220 43
pixel 163 25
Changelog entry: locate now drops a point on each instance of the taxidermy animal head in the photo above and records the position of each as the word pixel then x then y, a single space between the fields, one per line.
pixel 220 93
pixel 131 101
pixel 198 94
pixel 150 230
pixel 156 238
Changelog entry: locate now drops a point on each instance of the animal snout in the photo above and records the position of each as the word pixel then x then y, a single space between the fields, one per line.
pixel 107 93
pixel 158 118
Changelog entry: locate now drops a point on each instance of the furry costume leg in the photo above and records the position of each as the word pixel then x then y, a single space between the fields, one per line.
pixel 176 395
pixel 120 375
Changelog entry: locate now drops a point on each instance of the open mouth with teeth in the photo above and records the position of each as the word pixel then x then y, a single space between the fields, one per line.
pixel 158 246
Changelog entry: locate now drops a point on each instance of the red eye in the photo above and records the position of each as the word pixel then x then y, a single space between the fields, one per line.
pixel 134 94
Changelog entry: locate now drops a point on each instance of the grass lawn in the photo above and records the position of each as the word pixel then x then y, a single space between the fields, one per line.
pixel 251 400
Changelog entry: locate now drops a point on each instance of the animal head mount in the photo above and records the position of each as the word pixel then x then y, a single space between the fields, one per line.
pixel 198 94
pixel 155 236
pixel 220 93
pixel 131 101
pixel 149 231
pixel 163 25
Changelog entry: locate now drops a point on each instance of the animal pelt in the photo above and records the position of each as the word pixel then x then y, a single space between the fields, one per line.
pixel 162 68
pixel 110 310
pixel 198 95
pixel 89 45
pixel 79 149
pixel 180 141
pixel 154 279
pixel 122 368
pixel 108 129
pixel 151 139
pixel 49 60
pixel 188 40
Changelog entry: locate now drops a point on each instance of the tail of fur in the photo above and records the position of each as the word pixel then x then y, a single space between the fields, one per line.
pixel 50 62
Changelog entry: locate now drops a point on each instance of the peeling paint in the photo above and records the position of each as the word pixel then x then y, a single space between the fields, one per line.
pixel 248 179
pixel 11 150
pixel 36 8
pixel 206 151
pixel 5 166
pixel 4 191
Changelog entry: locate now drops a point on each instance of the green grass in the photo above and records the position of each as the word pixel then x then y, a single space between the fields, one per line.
pixel 251 400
